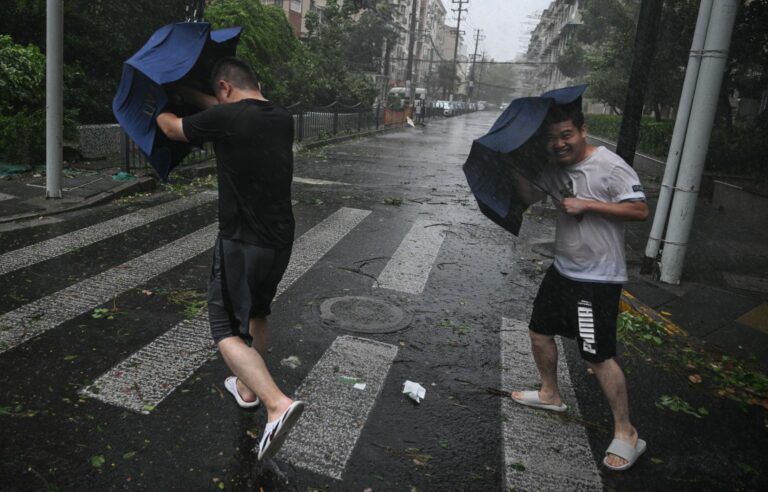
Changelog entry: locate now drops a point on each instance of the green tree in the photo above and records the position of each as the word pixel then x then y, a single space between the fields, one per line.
pixel 98 36
pixel 267 41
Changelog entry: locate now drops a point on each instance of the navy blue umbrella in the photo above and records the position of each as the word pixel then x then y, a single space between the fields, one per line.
pixel 509 152
pixel 183 54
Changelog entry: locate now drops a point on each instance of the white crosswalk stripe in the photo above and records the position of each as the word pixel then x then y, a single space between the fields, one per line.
pixel 541 452
pixel 30 320
pixel 408 269
pixel 324 438
pixel 147 377
pixel 66 243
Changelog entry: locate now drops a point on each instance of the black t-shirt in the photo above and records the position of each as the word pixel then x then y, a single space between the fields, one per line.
pixel 254 155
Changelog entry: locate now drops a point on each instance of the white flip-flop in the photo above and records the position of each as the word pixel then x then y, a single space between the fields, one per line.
pixel 231 385
pixel 276 432
pixel 625 451
pixel 531 399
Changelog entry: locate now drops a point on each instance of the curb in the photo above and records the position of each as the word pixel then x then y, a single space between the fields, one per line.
pixel 634 305
pixel 144 183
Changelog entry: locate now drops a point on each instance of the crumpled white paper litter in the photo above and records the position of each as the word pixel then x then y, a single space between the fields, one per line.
pixel 414 390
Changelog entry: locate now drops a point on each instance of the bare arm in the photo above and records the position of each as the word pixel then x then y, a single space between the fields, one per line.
pixel 196 98
pixel 170 125
pixel 634 210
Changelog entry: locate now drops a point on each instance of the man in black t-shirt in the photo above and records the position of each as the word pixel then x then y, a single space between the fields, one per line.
pixel 253 139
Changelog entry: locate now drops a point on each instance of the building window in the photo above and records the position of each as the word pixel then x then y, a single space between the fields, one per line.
pixel 296 5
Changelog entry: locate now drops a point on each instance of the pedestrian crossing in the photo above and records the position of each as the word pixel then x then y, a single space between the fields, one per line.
pixel 322 443
pixel 146 378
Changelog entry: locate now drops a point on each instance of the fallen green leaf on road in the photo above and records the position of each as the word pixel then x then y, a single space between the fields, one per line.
pixel 129 455
pixel 677 404
pixel 97 461
pixel 518 467
pixel 393 200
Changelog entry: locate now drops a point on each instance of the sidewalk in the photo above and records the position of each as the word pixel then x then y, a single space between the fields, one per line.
pixel 722 301
pixel 723 296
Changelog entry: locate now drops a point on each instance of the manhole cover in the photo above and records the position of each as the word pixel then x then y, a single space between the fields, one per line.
pixel 363 315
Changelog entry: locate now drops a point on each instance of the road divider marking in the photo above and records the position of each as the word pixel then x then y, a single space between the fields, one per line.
pixel 408 269
pixel 147 377
pixel 66 243
pixel 323 439
pixel 314 181
pixel 34 318
pixel 541 452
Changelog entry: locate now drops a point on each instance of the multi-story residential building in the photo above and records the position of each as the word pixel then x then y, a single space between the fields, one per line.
pixel 296 11
pixel 549 41
pixel 431 21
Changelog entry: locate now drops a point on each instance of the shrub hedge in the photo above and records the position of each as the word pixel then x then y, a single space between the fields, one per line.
pixel 731 151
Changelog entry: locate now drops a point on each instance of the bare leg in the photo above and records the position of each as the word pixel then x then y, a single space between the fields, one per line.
pixel 246 363
pixel 544 351
pixel 614 386
pixel 259 330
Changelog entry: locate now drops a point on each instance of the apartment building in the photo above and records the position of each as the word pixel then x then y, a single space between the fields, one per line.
pixel 549 40
pixel 296 11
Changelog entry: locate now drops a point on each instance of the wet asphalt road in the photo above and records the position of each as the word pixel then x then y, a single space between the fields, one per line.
pixel 54 438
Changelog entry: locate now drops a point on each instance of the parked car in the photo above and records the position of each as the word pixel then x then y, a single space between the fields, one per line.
pixel 503 106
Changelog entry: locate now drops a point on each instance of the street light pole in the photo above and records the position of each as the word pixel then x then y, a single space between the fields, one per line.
pixel 54 95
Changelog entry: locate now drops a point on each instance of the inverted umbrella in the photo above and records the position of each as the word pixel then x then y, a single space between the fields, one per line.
pixel 183 54
pixel 509 155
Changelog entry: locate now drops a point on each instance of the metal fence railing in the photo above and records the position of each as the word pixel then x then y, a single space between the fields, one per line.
pixel 311 123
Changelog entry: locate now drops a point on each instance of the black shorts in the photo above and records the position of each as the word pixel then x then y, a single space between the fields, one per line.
pixel 586 311
pixel 244 280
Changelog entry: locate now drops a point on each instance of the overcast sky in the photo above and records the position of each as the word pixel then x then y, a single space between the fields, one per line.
pixel 504 23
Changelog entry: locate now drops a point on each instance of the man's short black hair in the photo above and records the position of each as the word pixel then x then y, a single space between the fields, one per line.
pixel 236 72
pixel 559 113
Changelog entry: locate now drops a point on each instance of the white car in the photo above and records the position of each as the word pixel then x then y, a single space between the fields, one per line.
pixel 503 106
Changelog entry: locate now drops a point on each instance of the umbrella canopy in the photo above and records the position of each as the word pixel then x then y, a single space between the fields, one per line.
pixel 509 153
pixel 182 53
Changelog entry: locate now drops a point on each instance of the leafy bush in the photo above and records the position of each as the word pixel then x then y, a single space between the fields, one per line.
pixel 733 151
pixel 22 103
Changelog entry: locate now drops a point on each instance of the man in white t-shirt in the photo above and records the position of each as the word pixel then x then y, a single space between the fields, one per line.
pixel 579 295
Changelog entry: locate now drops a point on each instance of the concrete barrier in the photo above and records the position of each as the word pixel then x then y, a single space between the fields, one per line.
pixel 99 141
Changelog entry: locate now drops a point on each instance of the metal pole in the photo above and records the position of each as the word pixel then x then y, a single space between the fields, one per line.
pixel 409 82
pixel 705 99
pixel 678 137
pixel 54 96
pixel 644 50
pixel 456 43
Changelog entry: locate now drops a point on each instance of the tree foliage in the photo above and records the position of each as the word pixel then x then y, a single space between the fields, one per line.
pixel 98 36
pixel 266 43
pixel 604 46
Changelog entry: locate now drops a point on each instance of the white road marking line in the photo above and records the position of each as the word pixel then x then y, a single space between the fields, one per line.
pixel 6 196
pixel 30 320
pixel 326 434
pixel 314 181
pixel 148 376
pixel 66 243
pixel 408 269
pixel 554 452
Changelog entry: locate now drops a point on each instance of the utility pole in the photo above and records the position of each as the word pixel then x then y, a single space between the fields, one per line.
pixel 456 43
pixel 409 67
pixel 54 97
pixel 645 49
pixel 474 62
pixel 697 136
pixel 678 139
pixel 480 78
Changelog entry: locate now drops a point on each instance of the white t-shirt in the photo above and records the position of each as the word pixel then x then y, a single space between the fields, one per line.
pixel 591 248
